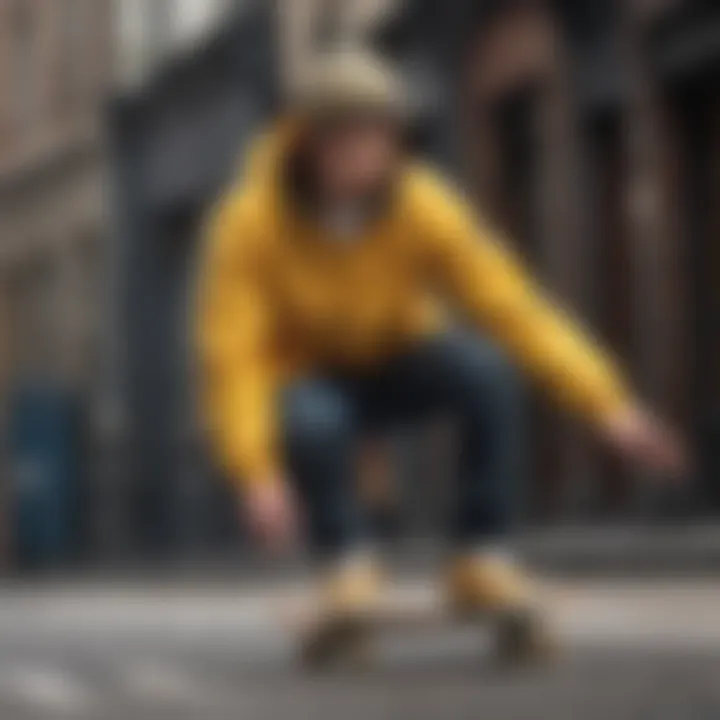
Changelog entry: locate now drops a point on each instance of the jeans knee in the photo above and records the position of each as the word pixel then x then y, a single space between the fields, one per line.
pixel 502 379
pixel 316 423
pixel 489 381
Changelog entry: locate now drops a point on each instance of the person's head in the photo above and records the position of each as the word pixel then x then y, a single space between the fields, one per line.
pixel 352 110
pixel 353 156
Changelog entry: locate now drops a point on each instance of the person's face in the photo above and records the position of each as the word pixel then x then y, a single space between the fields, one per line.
pixel 355 157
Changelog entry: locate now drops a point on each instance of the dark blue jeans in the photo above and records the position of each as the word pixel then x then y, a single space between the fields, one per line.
pixel 455 375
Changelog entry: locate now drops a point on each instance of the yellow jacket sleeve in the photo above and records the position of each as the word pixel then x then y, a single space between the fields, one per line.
pixel 475 271
pixel 233 321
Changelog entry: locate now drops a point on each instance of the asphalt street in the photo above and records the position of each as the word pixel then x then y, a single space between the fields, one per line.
pixel 634 649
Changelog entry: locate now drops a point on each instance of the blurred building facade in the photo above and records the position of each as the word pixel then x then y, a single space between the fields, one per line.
pixel 149 34
pixel 594 130
pixel 57 68
pixel 55 71
pixel 179 130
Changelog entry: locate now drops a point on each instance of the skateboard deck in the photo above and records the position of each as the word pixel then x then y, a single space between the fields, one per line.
pixel 395 610
pixel 409 612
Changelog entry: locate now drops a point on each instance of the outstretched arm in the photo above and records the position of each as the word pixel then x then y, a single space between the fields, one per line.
pixel 482 277
pixel 233 323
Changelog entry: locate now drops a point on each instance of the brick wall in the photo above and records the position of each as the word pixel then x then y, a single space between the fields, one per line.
pixel 55 73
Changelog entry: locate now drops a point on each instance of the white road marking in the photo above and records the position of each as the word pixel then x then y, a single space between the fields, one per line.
pixel 169 684
pixel 50 691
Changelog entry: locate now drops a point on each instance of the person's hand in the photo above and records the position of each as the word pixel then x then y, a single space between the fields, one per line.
pixel 271 512
pixel 640 437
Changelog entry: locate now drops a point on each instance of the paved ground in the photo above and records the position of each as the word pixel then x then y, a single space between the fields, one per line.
pixel 638 650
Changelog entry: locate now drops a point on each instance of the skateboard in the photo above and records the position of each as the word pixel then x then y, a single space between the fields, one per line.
pixel 518 637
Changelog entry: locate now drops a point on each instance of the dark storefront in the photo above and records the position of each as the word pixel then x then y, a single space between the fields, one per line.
pixel 176 144
pixel 686 57
pixel 596 146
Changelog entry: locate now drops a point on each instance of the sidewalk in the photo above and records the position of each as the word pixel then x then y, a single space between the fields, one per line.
pixel 622 550
pixel 626 549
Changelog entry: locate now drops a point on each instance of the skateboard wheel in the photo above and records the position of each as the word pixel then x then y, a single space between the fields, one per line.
pixel 341 643
pixel 522 638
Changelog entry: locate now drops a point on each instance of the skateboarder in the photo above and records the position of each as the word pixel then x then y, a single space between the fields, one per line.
pixel 344 292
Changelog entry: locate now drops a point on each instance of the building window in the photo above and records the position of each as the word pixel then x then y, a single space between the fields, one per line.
pixel 74 45
pixel 160 20
pixel 32 322
pixel 23 56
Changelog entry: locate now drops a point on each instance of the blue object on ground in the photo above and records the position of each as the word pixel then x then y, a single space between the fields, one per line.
pixel 44 452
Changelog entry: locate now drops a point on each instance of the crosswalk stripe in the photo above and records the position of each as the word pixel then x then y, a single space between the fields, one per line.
pixel 48 690
pixel 173 685
pixel 57 692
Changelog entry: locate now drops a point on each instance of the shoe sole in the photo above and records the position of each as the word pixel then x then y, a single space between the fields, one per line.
pixel 339 643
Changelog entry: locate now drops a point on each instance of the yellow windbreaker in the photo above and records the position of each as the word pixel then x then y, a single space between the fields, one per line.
pixel 277 299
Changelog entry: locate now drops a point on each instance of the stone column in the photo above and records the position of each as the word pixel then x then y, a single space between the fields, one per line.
pixel 5 69
pixel 566 260
pixel 5 341
pixel 651 212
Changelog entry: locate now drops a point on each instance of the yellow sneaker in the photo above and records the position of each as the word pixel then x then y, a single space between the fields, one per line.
pixel 348 595
pixel 479 583
pixel 491 586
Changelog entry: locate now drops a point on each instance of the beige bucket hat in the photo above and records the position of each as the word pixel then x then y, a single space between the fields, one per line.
pixel 346 81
